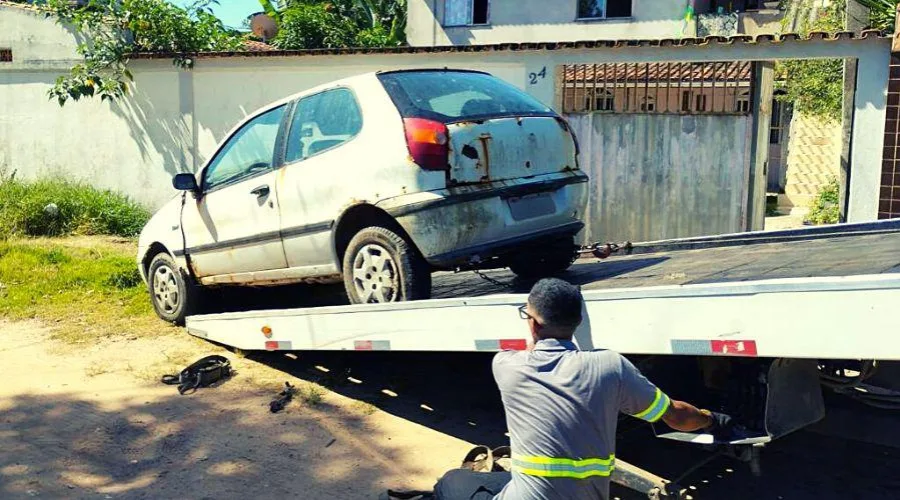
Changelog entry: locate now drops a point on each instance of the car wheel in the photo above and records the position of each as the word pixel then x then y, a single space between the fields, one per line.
pixel 174 297
pixel 380 267
pixel 549 262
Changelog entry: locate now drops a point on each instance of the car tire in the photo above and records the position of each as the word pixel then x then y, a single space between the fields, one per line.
pixel 381 266
pixel 174 295
pixel 550 262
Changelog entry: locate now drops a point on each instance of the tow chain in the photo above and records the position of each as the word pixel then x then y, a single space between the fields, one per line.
pixel 492 281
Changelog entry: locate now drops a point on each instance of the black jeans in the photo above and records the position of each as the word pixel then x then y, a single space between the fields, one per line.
pixel 463 484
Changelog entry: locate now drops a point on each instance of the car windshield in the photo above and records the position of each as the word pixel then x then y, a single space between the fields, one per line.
pixel 450 96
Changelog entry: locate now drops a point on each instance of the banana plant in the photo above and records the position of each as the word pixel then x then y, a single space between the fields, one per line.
pixel 882 13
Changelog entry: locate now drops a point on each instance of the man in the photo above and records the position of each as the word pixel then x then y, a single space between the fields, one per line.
pixel 562 406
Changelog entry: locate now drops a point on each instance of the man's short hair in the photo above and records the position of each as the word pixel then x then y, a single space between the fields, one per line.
pixel 558 304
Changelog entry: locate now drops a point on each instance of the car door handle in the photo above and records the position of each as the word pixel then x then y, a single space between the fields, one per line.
pixel 261 191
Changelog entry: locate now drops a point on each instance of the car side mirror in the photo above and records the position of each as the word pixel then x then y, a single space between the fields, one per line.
pixel 185 182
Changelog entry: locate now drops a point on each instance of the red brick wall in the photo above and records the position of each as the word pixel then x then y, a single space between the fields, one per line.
pixel 889 197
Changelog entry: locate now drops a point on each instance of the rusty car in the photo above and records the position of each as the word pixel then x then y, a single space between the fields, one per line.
pixel 378 181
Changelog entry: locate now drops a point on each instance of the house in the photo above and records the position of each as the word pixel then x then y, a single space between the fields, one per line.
pixel 796 173
pixel 478 22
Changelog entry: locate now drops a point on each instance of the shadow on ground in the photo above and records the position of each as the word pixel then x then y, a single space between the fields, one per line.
pixel 199 446
pixel 454 393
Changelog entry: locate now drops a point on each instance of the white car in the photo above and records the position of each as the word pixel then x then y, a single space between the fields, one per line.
pixel 377 180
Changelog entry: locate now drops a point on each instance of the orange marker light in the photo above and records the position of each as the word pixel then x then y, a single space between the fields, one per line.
pixel 267 332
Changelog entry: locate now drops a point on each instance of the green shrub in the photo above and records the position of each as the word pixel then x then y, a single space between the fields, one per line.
pixel 26 209
pixel 825 208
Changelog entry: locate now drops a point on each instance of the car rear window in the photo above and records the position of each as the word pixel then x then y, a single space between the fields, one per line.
pixel 450 96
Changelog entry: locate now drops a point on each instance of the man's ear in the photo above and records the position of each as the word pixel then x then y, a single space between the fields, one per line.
pixel 535 329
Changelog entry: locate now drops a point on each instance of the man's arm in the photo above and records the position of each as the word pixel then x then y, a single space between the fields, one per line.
pixel 638 397
pixel 686 417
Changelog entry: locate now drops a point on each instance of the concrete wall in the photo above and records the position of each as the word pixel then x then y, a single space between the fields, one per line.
pixel 174 118
pixel 814 158
pixel 663 176
pixel 545 21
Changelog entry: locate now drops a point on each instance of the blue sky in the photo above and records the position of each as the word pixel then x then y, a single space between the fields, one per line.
pixel 231 12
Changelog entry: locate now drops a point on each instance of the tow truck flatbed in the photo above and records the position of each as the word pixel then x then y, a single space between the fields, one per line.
pixel 770 311
pixel 711 301
pixel 845 255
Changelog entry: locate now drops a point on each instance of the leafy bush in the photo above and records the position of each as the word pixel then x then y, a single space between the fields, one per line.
pixel 825 208
pixel 58 208
pixel 313 26
pixel 881 14
pixel 115 29
pixel 815 86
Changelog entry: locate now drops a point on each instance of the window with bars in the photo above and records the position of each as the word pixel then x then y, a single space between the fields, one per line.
pixel 678 88
pixel 6 55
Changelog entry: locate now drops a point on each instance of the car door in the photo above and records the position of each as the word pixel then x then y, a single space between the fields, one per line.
pixel 233 226
pixel 319 145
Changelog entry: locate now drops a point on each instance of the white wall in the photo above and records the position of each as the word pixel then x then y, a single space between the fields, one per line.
pixel 174 118
pixel 513 21
pixel 133 146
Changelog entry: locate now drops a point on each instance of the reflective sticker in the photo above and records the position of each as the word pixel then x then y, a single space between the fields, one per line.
pixel 372 345
pixel 513 345
pixel 734 347
pixel 278 345
pixel 487 345
pixel 691 347
pixel 501 345
pixel 714 347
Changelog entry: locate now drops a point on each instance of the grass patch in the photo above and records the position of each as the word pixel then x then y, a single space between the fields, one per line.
pixel 85 289
pixel 312 394
pixel 57 208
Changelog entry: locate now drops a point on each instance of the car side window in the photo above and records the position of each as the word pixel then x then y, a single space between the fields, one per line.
pixel 248 151
pixel 321 122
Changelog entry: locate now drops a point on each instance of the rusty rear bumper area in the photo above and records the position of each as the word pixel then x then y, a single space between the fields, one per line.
pixel 476 225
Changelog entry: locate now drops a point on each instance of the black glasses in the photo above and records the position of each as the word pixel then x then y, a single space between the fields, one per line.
pixel 524 314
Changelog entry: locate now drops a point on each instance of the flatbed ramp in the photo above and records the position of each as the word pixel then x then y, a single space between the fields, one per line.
pixel 710 301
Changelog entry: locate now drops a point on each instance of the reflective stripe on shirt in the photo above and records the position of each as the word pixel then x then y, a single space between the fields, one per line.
pixel 563 467
pixel 656 409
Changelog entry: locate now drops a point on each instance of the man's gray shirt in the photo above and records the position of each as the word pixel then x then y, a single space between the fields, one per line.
pixel 562 406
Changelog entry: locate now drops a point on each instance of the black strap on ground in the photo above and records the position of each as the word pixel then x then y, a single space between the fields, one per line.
pixel 407 495
pixel 201 373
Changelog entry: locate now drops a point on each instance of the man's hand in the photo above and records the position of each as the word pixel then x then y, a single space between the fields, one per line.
pixel 720 425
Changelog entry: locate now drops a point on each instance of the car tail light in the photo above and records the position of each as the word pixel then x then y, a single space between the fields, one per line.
pixel 428 143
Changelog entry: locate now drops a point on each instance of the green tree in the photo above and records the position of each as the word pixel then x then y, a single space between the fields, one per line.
pixel 881 13
pixel 116 29
pixel 305 26
pixel 310 24
pixel 814 86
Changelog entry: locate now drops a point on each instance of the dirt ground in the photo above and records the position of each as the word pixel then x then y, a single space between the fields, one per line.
pixel 95 422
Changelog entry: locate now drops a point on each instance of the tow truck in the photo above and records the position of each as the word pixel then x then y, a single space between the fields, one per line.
pixel 753 324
